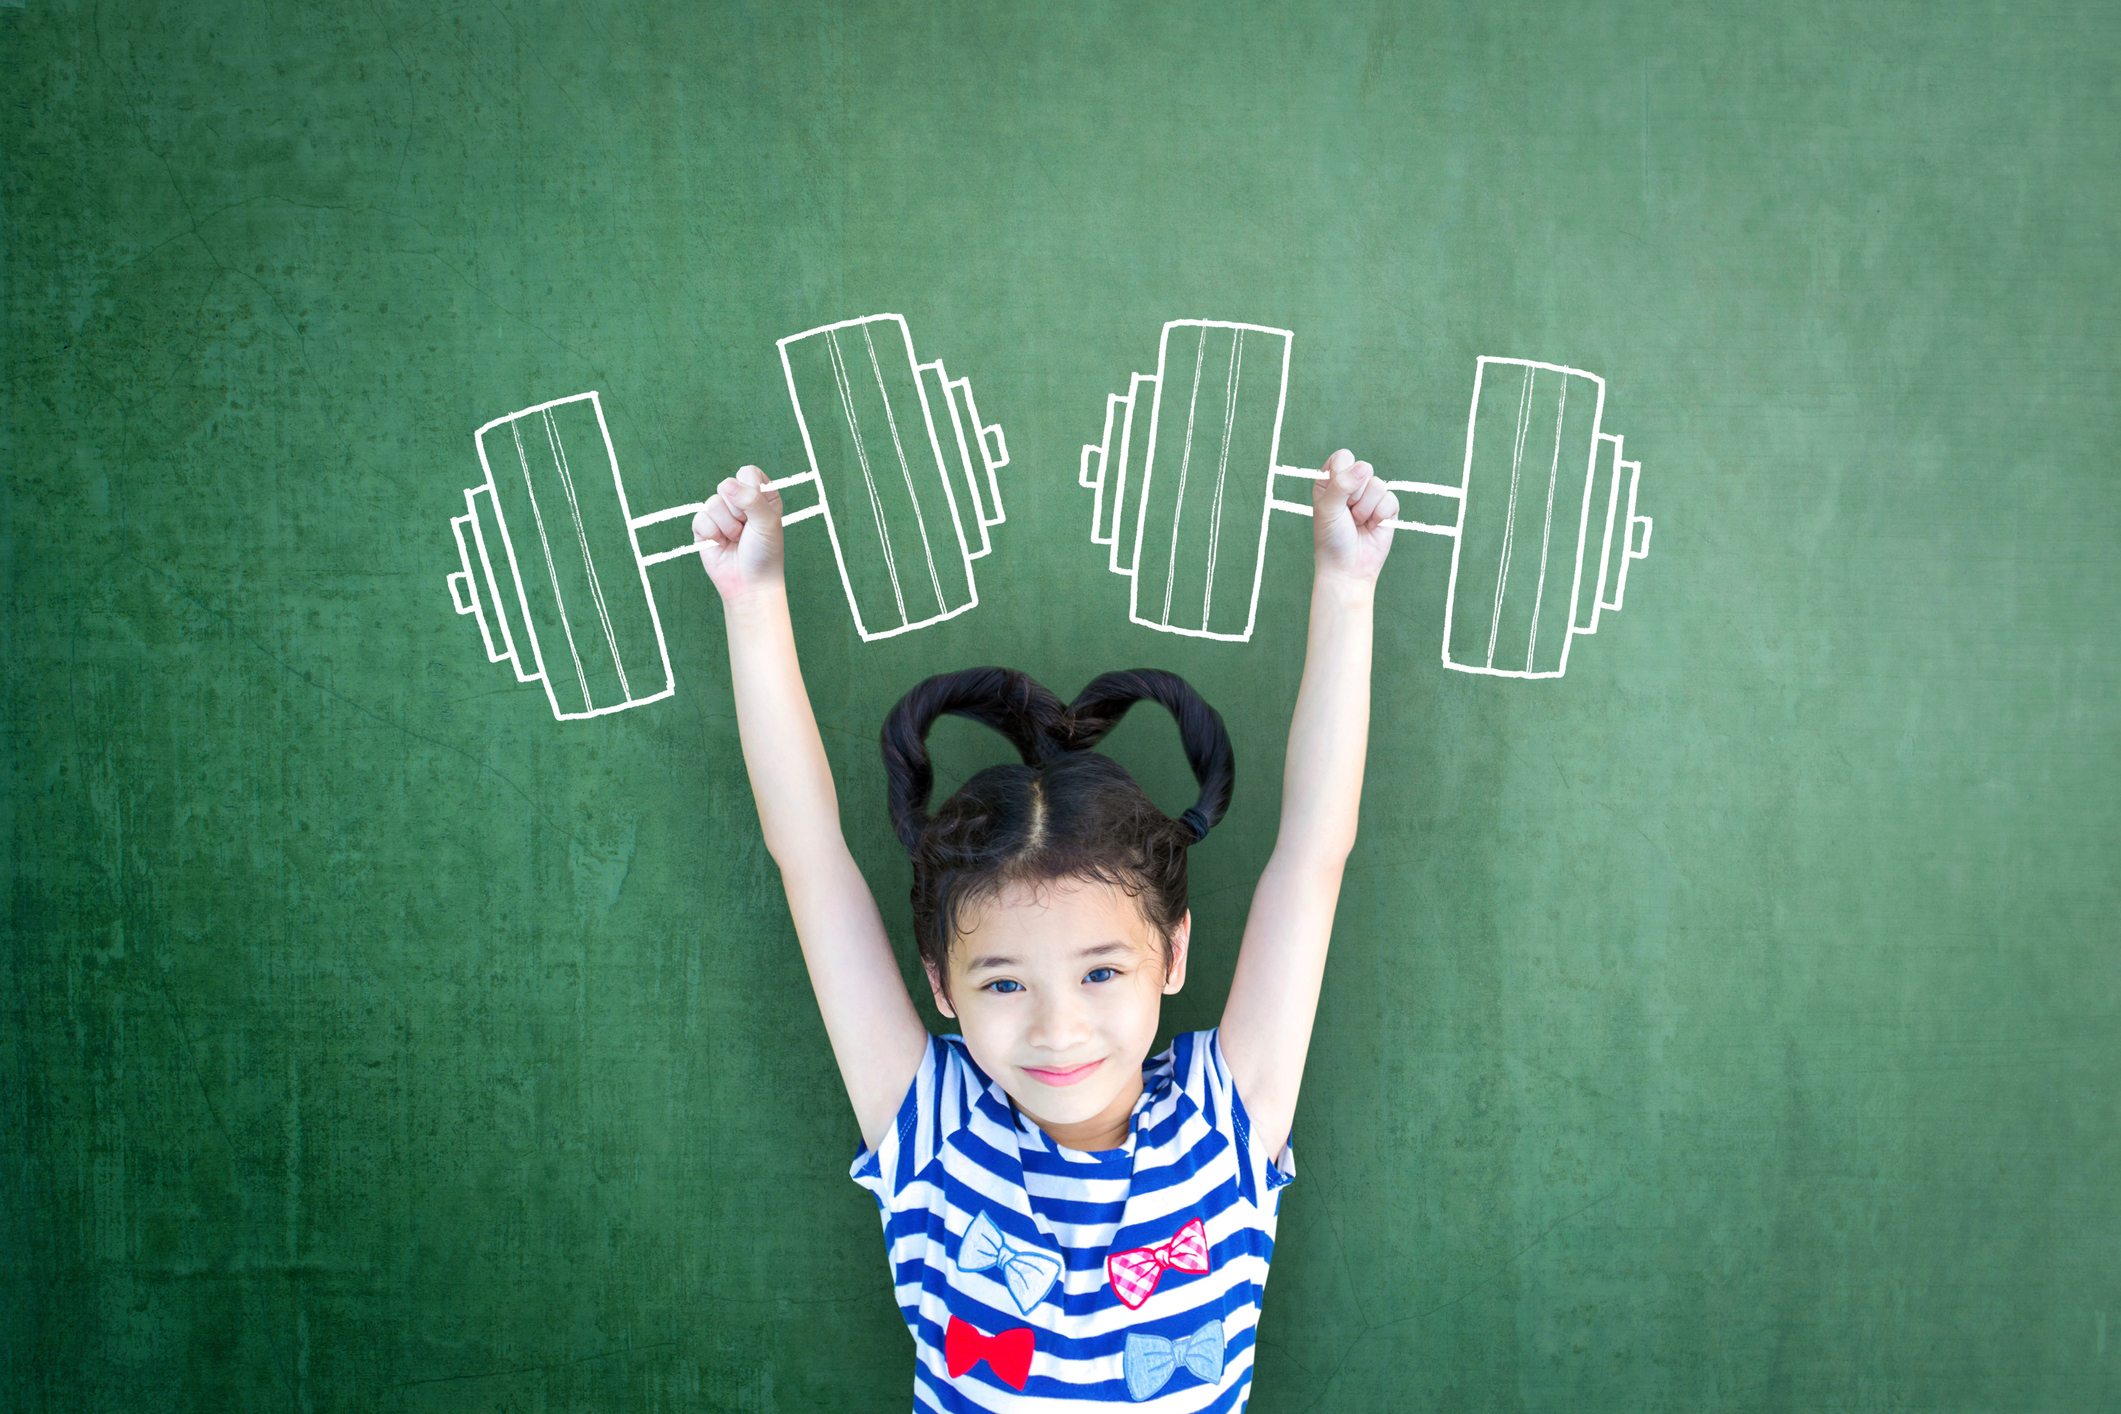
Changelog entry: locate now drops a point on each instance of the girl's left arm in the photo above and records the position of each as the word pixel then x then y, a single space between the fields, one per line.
pixel 1266 1025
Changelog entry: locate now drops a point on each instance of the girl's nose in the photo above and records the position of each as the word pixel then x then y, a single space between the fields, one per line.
pixel 1058 1023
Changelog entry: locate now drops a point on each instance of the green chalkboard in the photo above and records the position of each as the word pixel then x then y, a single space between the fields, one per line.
pixel 1728 1022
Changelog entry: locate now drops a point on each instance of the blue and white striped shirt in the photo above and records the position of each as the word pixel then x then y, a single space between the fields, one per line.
pixel 999 1241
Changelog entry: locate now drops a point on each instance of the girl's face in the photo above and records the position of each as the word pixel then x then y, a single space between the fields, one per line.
pixel 1058 992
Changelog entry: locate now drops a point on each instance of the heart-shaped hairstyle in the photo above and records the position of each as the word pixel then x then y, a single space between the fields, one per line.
pixel 1069 812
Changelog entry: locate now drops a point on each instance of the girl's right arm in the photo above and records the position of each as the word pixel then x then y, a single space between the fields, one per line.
pixel 877 1036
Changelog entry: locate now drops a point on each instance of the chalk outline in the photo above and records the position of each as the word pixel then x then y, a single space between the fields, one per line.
pixel 1118 476
pixel 1108 511
pixel 994 455
pixel 932 381
pixel 1599 439
pixel 468 600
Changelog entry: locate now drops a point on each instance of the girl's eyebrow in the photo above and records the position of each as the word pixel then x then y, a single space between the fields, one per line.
pixel 1099 950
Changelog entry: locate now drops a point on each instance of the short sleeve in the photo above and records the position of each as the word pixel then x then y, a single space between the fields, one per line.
pixel 1261 1176
pixel 936 1107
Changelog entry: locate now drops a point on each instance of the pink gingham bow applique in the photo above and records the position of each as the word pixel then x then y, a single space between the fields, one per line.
pixel 1133 1273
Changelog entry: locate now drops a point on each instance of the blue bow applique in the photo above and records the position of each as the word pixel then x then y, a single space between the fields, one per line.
pixel 1150 1359
pixel 1029 1273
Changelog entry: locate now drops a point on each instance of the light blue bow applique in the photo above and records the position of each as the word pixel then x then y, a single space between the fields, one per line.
pixel 1029 1273
pixel 1150 1359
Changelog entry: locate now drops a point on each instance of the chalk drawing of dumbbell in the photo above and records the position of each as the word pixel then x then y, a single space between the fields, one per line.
pixel 1199 468
pixel 553 565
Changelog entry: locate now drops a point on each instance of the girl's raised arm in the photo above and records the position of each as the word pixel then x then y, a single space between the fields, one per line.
pixel 1266 1025
pixel 877 1036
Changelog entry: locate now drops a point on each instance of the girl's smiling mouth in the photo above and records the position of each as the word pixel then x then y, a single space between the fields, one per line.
pixel 1062 1077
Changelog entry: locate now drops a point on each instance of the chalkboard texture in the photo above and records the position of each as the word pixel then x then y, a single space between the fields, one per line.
pixel 1728 1023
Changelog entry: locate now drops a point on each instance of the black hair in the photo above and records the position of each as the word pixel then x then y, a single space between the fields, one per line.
pixel 1068 812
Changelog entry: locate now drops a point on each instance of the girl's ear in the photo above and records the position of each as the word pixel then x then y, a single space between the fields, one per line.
pixel 935 985
pixel 1181 936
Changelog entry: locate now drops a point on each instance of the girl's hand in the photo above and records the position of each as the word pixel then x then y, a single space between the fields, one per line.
pixel 739 535
pixel 1350 509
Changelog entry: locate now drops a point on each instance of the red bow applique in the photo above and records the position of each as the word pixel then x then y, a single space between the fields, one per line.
pixel 1007 1354
pixel 1133 1274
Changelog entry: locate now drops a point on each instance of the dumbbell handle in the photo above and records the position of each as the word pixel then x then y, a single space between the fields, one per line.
pixel 1448 500
pixel 687 512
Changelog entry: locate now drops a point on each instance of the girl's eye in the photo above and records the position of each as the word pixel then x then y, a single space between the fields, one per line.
pixel 1101 974
pixel 1004 986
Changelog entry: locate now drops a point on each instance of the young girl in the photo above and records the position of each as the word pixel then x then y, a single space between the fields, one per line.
pixel 1068 1219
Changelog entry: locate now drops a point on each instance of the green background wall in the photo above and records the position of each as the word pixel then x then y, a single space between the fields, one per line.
pixel 1730 1024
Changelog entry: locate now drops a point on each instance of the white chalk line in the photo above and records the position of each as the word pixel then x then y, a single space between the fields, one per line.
pixel 994 454
pixel 559 600
pixel 920 521
pixel 1546 532
pixel 581 535
pixel 1509 525
pixel 861 452
pixel 1185 463
pixel 1222 471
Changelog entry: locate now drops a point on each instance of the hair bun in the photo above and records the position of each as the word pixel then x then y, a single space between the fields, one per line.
pixel 1098 708
pixel 1013 703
